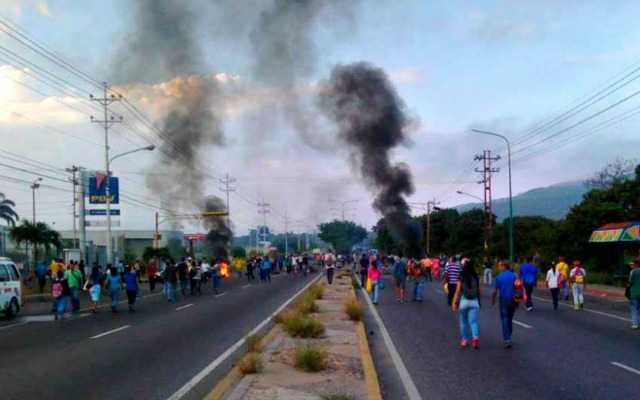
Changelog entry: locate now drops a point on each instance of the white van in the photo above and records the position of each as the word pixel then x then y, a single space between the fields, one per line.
pixel 10 288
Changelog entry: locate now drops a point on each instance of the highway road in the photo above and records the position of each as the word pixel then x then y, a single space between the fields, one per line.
pixel 564 354
pixel 149 354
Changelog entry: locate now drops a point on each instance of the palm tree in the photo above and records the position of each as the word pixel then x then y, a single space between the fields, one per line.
pixel 7 212
pixel 38 234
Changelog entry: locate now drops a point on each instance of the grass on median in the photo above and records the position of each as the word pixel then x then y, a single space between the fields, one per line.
pixel 253 343
pixel 310 358
pixel 317 291
pixel 353 309
pixel 296 324
pixel 251 363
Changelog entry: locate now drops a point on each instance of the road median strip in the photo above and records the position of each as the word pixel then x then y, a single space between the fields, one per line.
pixel 297 363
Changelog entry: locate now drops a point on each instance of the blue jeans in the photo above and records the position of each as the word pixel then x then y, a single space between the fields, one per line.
pixel 216 284
pixel 529 290
pixel 468 311
pixel 170 288
pixel 75 299
pixel 418 288
pixel 114 295
pixel 375 293
pixel 61 304
pixel 635 312
pixel 507 310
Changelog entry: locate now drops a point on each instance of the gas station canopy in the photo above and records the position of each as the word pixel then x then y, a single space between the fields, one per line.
pixel 617 232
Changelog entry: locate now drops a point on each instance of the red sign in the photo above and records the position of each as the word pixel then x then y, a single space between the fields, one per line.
pixel 200 237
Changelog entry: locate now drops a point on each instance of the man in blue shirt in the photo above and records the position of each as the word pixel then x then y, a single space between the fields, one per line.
pixel 400 275
pixel 529 276
pixel 504 292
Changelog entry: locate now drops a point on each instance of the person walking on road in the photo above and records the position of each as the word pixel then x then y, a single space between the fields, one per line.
pixel 152 270
pixel 74 279
pixel 171 281
pixel 41 275
pixel 554 281
pixel 400 277
pixel 419 274
pixel 487 269
pixel 427 267
pixel 130 286
pixel 94 286
pixel 563 268
pixel 634 294
pixel 114 283
pixel 330 265
pixel 578 279
pixel 364 268
pixel 183 277
pixel 374 276
pixel 251 266
pixel 451 277
pixel 466 301
pixel 217 276
pixel 503 291
pixel 60 291
pixel 529 275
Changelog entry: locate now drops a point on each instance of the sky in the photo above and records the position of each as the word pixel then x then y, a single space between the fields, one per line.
pixel 510 67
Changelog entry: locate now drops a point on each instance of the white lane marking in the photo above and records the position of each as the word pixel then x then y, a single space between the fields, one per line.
pixel 110 332
pixel 215 363
pixel 522 325
pixel 221 294
pixel 246 286
pixel 14 325
pixel 617 364
pixel 409 385
pixel 587 310
pixel 185 306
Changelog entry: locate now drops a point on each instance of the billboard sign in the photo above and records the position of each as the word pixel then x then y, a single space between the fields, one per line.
pixel 98 189
pixel 195 236
pixel 100 224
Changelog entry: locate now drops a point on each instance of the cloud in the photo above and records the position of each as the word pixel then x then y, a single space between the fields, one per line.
pixel 497 29
pixel 407 75
pixel 43 9
pixel 11 7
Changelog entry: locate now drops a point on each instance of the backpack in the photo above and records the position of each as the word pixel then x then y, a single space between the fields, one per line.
pixel 579 275
pixel 417 271
pixel 470 289
pixel 519 295
pixel 56 289
pixel 561 281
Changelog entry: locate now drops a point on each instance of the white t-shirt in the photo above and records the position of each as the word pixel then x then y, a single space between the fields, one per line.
pixel 205 267
pixel 552 278
pixel 329 260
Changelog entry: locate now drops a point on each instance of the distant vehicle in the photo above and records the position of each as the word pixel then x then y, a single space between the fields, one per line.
pixel 10 288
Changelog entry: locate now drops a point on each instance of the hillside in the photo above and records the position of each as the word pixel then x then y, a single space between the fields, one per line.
pixel 552 202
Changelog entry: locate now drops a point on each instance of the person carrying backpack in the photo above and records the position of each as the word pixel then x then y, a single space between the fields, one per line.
pixel 419 273
pixel 61 292
pixel 504 286
pixel 466 301
pixel 400 277
pixel 578 278
pixel 330 265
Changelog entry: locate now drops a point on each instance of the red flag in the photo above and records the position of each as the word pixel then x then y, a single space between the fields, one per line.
pixel 100 179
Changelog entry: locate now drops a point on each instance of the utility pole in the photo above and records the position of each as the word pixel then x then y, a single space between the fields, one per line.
pixel 227 189
pixel 431 205
pixel 286 233
pixel 487 172
pixel 106 123
pixel 264 210
pixel 343 206
pixel 74 182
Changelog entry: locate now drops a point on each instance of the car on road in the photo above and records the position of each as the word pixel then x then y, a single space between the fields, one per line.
pixel 10 288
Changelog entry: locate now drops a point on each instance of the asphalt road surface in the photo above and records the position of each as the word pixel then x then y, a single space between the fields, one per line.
pixel 148 354
pixel 564 354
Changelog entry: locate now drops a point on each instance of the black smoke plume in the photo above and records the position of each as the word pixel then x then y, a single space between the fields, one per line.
pixel 220 234
pixel 372 120
pixel 162 47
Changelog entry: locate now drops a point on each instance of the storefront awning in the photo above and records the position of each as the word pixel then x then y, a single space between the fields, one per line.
pixel 617 232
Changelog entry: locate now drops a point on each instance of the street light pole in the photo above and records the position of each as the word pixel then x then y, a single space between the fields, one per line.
pixel 486 229
pixel 470 195
pixel 343 205
pixel 108 194
pixel 510 189
pixel 34 186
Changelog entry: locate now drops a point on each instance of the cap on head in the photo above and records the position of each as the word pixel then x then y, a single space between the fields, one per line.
pixel 576 263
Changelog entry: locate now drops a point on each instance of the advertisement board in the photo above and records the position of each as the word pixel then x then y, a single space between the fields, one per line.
pixel 98 189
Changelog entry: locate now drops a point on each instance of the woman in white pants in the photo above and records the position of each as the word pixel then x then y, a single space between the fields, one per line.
pixel 578 278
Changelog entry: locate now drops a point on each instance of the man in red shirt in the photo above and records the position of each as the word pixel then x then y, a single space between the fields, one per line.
pixel 151 273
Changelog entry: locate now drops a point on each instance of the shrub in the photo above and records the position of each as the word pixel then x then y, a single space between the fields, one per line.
pixel 306 304
pixel 253 343
pixel 353 309
pixel 355 283
pixel 317 291
pixel 298 325
pixel 250 363
pixel 310 358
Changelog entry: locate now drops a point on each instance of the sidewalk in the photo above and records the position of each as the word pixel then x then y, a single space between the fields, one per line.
pixel 349 372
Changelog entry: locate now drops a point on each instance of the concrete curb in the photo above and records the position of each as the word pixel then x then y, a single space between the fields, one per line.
pixel 374 392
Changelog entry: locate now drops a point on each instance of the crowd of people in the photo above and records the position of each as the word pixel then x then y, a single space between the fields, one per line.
pixel 512 285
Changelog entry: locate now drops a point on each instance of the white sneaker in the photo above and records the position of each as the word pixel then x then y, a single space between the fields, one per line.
pixel 634 326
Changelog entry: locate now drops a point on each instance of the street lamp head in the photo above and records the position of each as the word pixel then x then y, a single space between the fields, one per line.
pixel 150 148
